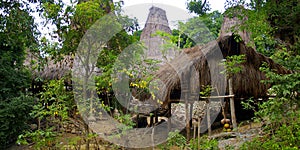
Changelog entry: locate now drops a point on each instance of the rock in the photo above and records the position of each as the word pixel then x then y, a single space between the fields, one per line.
pixel 73 131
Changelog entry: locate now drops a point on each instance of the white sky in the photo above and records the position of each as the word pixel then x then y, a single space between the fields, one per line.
pixel 175 9
pixel 215 4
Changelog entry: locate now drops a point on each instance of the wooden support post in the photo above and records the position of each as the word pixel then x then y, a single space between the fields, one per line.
pixel 208 117
pixel 151 120
pixel 191 113
pixel 169 116
pixel 199 131
pixel 232 108
pixel 137 120
pixel 187 115
pixel 194 128
pixel 156 117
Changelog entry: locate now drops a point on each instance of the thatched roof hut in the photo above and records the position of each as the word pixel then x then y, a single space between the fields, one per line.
pixel 246 84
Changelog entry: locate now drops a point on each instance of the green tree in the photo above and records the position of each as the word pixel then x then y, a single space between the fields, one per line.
pixel 54 108
pixel 274 30
pixel 213 22
pixel 17 34
pixel 198 7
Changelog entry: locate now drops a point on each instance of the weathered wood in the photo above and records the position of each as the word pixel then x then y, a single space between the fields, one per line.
pixel 188 127
pixel 232 108
pixel 199 131
pixel 151 121
pixel 217 97
pixel 223 109
pixel 169 116
pixel 156 117
pixel 191 113
pixel 194 124
pixel 208 118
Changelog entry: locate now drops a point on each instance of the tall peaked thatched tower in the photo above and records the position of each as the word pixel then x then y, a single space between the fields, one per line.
pixel 232 23
pixel 156 21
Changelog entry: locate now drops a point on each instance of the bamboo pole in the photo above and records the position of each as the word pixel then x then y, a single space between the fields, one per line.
pixel 199 131
pixel 194 124
pixel 232 108
pixel 188 127
pixel 208 117
pixel 217 97
pixel 191 113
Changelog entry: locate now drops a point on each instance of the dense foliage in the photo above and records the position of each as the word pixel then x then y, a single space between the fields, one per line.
pixel 39 118
pixel 275 34
pixel 17 35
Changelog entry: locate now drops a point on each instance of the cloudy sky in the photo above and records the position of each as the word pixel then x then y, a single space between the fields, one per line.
pixel 175 9
pixel 215 4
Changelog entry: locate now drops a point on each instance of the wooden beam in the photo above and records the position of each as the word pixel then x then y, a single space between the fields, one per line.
pixel 217 97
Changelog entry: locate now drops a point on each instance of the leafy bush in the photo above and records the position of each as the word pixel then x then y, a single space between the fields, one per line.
pixel 13 117
pixel 42 138
pixel 53 107
pixel 174 139
pixel 14 104
pixel 280 115
pixel 205 143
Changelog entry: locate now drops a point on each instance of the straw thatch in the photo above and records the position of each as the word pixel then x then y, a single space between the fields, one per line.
pixel 57 69
pixel 246 84
pixel 50 68
pixel 156 21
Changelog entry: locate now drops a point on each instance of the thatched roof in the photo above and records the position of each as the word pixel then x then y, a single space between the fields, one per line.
pixel 56 69
pixel 246 84
pixel 51 68
pixel 156 21
pixel 231 25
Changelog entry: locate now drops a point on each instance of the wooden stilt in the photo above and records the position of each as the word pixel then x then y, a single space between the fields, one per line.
pixel 208 117
pixel 199 131
pixel 191 113
pixel 156 117
pixel 223 105
pixel 195 124
pixel 151 121
pixel 137 120
pixel 188 127
pixel 232 108
pixel 169 116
